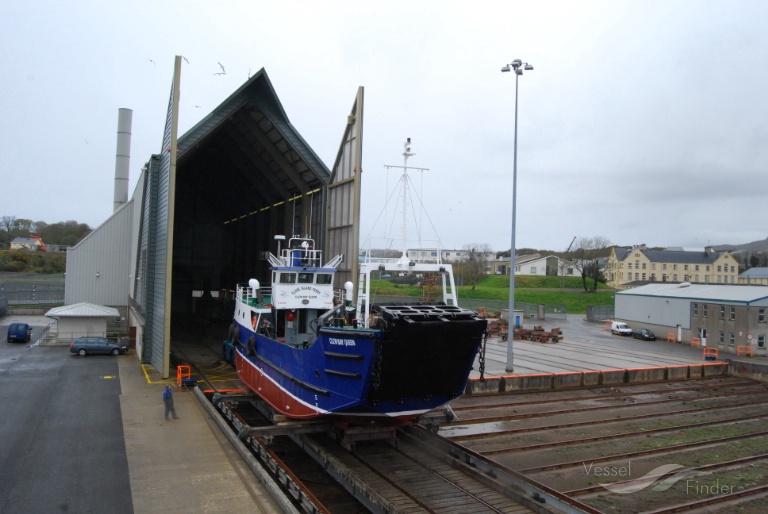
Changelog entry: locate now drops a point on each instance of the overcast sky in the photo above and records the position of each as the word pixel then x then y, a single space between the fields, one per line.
pixel 642 122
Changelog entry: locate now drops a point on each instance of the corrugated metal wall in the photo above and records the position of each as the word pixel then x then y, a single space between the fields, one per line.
pixel 666 312
pixel 146 282
pixel 343 217
pixel 98 268
pixel 158 247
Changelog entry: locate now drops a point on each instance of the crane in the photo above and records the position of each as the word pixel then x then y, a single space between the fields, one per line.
pixel 561 266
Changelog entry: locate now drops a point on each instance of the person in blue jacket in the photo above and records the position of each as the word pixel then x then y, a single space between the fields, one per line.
pixel 168 400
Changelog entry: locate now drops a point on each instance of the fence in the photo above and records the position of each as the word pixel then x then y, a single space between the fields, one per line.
pixel 51 334
pixel 599 313
pixel 32 289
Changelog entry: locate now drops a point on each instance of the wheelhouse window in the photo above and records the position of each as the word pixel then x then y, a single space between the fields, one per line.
pixel 287 278
pixel 306 278
pixel 324 278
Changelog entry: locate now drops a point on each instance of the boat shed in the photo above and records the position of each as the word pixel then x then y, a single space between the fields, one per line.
pixel 724 316
pixel 207 208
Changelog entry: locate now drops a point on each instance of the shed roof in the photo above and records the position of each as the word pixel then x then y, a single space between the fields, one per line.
pixel 755 273
pixel 708 292
pixel 83 310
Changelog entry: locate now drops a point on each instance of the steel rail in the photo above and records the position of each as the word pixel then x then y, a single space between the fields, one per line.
pixel 567 398
pixel 495 474
pixel 293 488
pixel 587 409
pixel 622 435
pixel 707 467
pixel 576 424
pixel 655 451
pixel 714 500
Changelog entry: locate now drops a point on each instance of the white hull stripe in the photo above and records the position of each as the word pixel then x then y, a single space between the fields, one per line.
pixel 295 398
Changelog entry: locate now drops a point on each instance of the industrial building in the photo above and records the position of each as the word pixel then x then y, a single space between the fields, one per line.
pixel 206 209
pixel 721 316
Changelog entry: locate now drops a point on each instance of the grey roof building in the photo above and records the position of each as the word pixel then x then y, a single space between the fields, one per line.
pixel 754 276
pixel 629 267
pixel 723 316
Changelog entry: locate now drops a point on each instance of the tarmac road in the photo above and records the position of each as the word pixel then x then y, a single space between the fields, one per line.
pixel 61 435
pixel 585 346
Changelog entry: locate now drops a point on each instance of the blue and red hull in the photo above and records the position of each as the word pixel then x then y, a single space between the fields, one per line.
pixel 413 362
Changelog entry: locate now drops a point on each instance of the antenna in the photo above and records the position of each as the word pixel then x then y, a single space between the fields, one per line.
pixel 407 152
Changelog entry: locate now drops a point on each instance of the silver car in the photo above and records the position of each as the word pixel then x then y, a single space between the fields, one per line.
pixel 96 346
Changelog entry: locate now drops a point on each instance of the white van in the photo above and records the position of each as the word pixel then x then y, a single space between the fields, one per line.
pixel 621 328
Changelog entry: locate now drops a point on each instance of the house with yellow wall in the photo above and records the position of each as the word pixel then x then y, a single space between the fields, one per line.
pixel 629 267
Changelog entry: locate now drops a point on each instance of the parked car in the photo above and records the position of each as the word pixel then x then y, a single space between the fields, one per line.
pixel 19 332
pixel 617 327
pixel 644 334
pixel 96 346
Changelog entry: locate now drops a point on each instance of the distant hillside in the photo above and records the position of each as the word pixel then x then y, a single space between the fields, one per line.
pixel 754 246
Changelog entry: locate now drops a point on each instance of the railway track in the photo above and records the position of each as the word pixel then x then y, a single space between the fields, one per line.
pixel 416 472
pixel 693 446
pixel 698 446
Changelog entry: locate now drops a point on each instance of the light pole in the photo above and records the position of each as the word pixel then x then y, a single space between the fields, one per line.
pixel 517 66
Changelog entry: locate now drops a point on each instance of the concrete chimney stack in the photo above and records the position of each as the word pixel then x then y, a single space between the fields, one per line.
pixel 123 157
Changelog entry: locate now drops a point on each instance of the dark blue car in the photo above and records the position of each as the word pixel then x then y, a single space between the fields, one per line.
pixel 644 334
pixel 19 332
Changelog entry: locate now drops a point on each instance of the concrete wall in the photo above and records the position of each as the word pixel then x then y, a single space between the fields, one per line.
pixel 605 378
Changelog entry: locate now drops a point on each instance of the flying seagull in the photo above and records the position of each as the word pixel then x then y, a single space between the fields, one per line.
pixel 153 62
pixel 223 71
pixel 185 59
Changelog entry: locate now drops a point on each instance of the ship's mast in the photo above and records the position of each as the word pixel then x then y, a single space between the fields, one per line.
pixel 406 153
pixel 405 179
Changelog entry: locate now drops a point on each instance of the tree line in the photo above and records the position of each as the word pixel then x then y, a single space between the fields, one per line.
pixel 67 233
pixel 586 254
